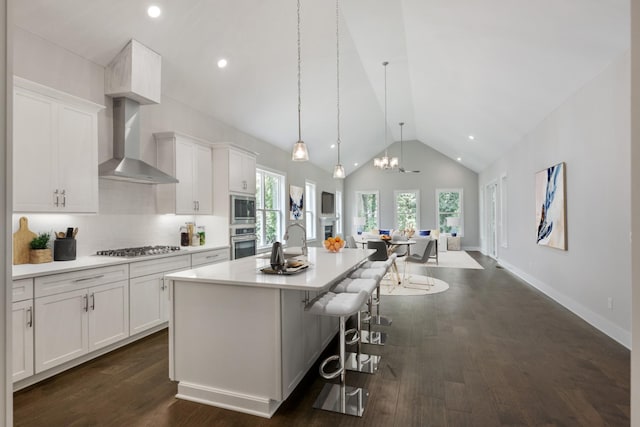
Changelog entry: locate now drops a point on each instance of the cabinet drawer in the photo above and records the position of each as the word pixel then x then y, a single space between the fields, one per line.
pixel 160 265
pixel 65 282
pixel 209 257
pixel 22 289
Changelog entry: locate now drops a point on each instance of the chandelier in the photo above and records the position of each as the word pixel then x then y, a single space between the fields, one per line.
pixel 385 162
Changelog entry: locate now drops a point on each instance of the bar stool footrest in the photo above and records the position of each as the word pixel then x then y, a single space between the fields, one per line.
pixel 375 337
pixel 330 375
pixel 366 363
pixel 379 320
pixel 355 337
pixel 343 399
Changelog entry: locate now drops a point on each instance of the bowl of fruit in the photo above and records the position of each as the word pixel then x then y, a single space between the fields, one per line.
pixel 334 244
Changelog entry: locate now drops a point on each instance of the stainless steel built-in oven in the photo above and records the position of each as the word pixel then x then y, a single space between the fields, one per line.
pixel 243 241
pixel 243 209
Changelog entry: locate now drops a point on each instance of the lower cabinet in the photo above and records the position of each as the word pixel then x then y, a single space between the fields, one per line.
pixel 22 339
pixel 91 318
pixel 149 297
pixel 304 336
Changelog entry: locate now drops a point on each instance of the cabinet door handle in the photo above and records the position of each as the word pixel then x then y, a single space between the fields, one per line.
pixel 55 194
pixel 30 317
pixel 64 198
pixel 89 278
pixel 198 205
pixel 85 297
pixel 162 284
pixel 212 256
pixel 93 301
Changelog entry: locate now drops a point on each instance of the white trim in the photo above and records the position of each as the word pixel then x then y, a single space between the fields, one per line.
pixel 451 190
pixel 73 100
pixel 377 193
pixel 503 188
pixel 492 183
pixel 594 319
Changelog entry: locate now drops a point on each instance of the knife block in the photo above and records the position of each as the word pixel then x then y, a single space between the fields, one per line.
pixel 64 249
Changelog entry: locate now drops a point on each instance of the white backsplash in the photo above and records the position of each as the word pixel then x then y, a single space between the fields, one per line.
pixel 127 218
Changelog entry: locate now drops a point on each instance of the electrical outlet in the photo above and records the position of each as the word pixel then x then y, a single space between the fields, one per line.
pixel 610 303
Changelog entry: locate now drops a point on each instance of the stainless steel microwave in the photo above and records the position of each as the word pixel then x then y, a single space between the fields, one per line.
pixel 243 209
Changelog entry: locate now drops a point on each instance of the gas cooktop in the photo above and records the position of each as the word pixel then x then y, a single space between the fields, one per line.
pixel 139 251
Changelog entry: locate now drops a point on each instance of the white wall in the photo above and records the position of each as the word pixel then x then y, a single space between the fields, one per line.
pixel 635 211
pixel 437 171
pixel 590 132
pixel 127 214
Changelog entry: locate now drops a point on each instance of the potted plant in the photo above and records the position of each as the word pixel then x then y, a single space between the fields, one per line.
pixel 40 251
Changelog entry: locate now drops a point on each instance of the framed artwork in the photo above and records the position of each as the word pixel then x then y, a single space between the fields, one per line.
pixel 296 202
pixel 551 217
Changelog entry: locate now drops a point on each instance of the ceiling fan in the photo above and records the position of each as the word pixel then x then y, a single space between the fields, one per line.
pixel 401 169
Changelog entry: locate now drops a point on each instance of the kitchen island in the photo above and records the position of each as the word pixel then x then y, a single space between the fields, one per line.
pixel 240 339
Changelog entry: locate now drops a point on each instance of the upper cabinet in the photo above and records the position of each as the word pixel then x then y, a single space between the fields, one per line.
pixel 189 159
pixel 236 170
pixel 55 150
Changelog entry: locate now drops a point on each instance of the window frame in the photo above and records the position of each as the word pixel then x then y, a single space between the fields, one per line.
pixel 339 212
pixel 311 210
pixel 504 185
pixel 260 211
pixel 396 193
pixel 460 231
pixel 358 193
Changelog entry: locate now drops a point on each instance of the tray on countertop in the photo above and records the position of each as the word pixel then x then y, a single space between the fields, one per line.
pixel 288 272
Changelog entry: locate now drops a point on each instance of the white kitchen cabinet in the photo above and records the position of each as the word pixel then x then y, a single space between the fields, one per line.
pixel 190 160
pixel 73 323
pixel 304 336
pixel 209 257
pixel 242 172
pixel 148 293
pixel 108 314
pixel 149 299
pixel 55 155
pixel 22 326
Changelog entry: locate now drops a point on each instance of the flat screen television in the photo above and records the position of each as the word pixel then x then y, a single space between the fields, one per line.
pixel 328 203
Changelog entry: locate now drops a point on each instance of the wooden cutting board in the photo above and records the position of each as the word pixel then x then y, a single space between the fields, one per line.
pixel 21 240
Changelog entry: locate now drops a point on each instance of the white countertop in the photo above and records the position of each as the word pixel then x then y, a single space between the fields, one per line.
pixel 24 271
pixel 325 268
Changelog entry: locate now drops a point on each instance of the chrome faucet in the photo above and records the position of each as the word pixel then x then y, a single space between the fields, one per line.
pixel 305 251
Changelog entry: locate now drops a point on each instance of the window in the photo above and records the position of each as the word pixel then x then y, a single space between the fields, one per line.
pixel 339 214
pixel 449 205
pixel 270 211
pixel 310 209
pixel 407 204
pixel 368 210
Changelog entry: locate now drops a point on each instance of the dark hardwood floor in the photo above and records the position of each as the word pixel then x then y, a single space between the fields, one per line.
pixel 491 351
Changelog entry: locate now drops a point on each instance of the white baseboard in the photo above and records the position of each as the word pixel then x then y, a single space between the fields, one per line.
pixel 597 321
pixel 472 248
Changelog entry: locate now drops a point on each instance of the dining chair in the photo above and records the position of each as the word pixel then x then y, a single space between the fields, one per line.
pixel 422 251
pixel 351 242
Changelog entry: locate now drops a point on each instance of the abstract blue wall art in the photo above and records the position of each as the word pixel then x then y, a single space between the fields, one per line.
pixel 551 207
pixel 296 202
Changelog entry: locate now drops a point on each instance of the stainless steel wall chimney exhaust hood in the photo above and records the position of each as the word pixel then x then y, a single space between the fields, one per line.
pixel 132 78
pixel 126 164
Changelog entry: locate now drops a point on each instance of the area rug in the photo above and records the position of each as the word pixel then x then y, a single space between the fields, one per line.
pixel 416 286
pixel 455 259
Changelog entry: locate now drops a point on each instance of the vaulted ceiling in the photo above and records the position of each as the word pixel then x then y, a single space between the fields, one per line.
pixel 492 69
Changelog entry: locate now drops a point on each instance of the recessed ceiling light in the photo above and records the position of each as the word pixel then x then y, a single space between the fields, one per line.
pixel 333 145
pixel 471 137
pixel 154 11
pixel 355 164
pixel 222 63
pixel 459 159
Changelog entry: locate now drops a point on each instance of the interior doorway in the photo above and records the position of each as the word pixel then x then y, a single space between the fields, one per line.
pixel 491 191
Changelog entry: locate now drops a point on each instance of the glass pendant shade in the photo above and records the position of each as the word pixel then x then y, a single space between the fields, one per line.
pixel 338 171
pixel 300 153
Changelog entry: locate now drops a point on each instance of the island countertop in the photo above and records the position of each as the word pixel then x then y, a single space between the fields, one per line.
pixel 324 269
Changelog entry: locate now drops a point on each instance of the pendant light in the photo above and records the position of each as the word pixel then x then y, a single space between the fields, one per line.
pixel 338 170
pixel 299 153
pixel 385 162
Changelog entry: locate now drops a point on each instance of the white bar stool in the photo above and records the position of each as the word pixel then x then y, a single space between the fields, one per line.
pixel 358 361
pixel 339 397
